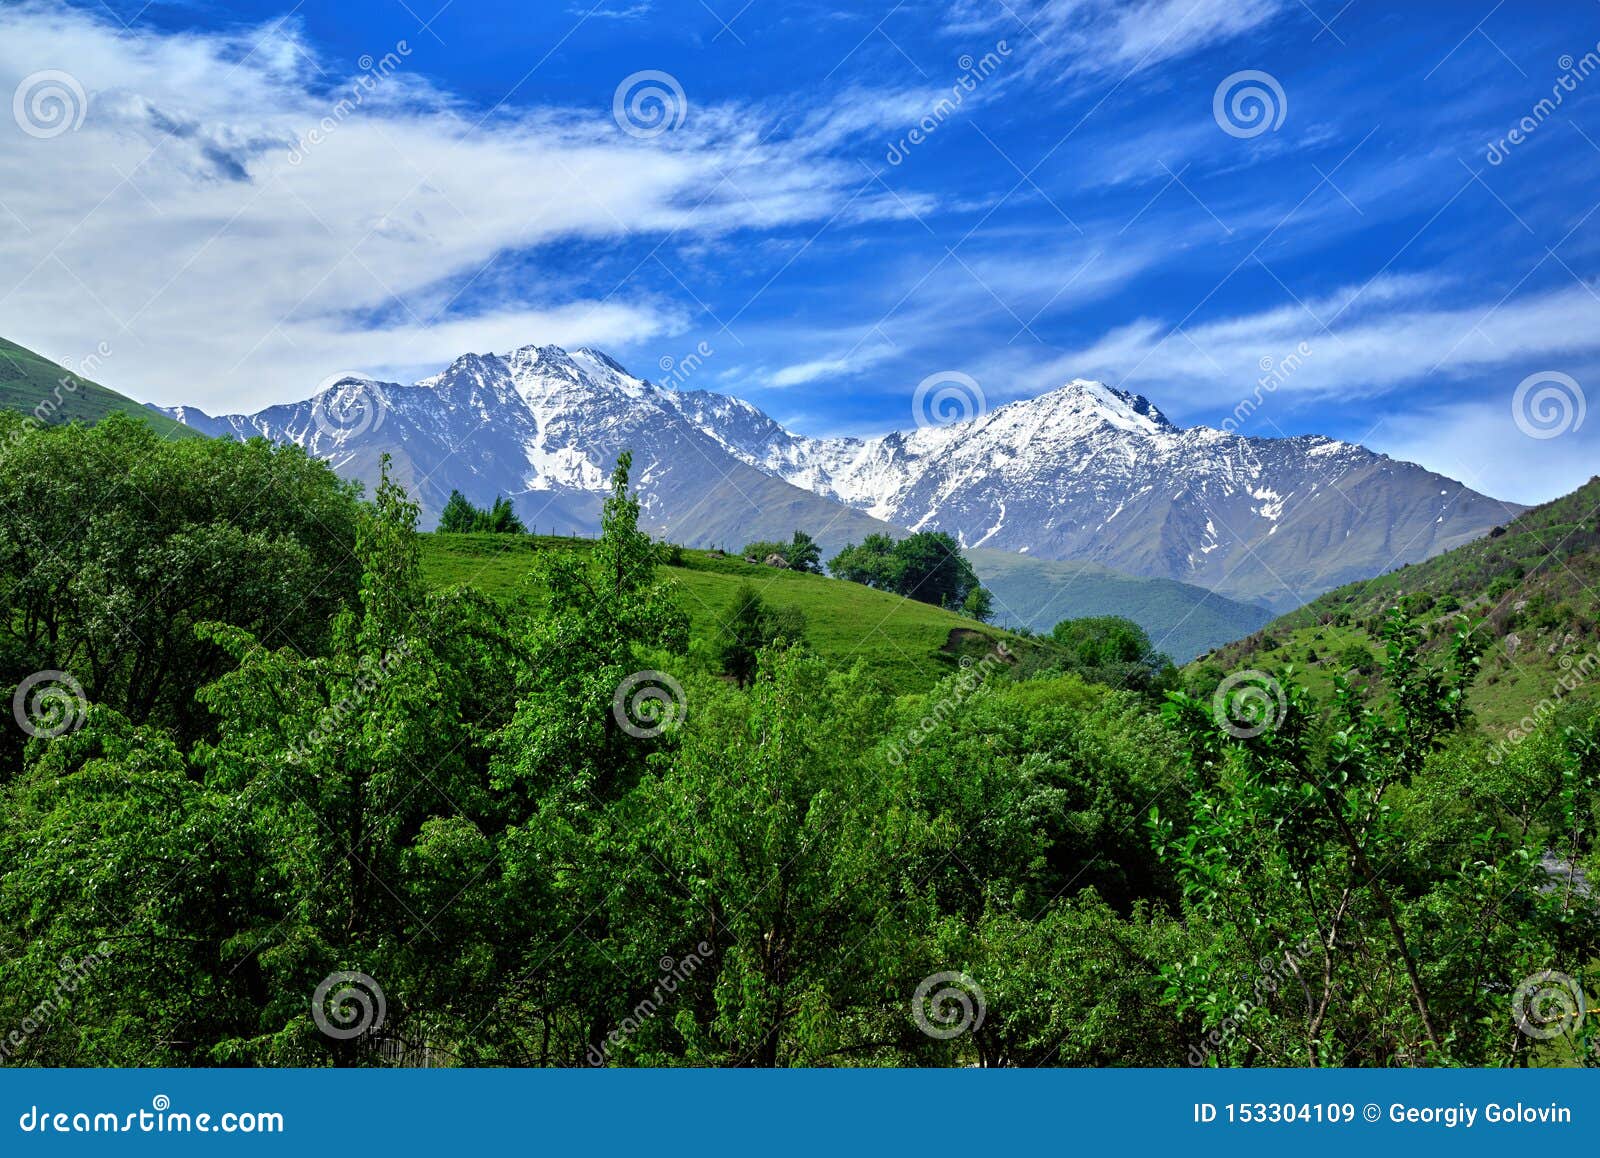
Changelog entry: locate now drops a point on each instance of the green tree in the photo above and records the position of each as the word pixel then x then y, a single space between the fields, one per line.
pixel 460 516
pixel 1113 650
pixel 115 544
pixel 979 604
pixel 873 563
pixel 927 566
pixel 803 554
pixel 749 625
pixel 1325 932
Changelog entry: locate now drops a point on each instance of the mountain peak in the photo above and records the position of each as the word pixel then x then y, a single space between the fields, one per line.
pixel 1120 408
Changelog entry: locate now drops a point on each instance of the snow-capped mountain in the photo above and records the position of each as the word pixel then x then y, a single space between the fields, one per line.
pixel 544 427
pixel 1090 472
pixel 1084 472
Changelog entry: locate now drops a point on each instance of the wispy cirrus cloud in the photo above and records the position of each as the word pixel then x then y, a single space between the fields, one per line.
pixel 1366 341
pixel 236 215
pixel 1087 37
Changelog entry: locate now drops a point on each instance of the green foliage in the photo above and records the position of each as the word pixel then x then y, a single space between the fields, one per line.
pixel 979 604
pixel 1334 932
pixel 1115 651
pixel 461 517
pixel 115 544
pixel 749 625
pixel 549 838
pixel 927 566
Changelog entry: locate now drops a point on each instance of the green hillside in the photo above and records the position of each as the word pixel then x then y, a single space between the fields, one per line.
pixel 1533 582
pixel 912 644
pixel 27 380
pixel 1181 619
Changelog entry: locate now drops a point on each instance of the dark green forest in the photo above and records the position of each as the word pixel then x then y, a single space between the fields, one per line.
pixel 270 799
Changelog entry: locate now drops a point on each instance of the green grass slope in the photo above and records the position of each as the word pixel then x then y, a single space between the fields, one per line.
pixel 1181 619
pixel 912 644
pixel 1535 583
pixel 26 380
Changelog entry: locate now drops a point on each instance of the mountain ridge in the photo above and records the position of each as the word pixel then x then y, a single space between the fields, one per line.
pixel 1084 473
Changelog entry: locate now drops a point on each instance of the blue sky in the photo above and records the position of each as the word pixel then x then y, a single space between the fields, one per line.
pixel 1083 210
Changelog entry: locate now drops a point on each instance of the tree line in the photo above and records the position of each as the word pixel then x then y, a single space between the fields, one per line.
pixel 304 810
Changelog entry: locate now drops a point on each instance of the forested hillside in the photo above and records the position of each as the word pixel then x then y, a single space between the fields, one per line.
pixel 1532 583
pixel 280 794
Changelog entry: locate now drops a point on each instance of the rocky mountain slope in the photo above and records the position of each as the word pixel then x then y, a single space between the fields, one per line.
pixel 1085 474
pixel 543 426
pixel 1089 472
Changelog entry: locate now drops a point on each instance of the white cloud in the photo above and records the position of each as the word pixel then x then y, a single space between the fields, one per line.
pixel 1070 37
pixel 175 226
pixel 1480 444
pixel 1377 337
